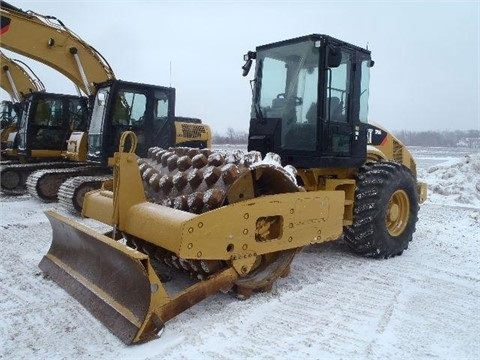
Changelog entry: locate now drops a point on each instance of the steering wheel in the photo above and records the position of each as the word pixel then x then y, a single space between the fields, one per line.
pixel 298 100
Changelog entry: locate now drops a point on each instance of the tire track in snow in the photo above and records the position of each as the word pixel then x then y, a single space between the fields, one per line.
pixel 333 304
pixel 342 305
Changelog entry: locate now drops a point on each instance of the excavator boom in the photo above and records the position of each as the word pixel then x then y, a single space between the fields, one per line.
pixel 15 79
pixel 47 40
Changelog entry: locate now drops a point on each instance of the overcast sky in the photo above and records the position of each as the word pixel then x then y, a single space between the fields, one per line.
pixel 426 74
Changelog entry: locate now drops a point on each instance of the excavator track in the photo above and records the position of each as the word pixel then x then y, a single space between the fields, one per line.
pixel 45 184
pixel 14 176
pixel 8 162
pixel 72 192
pixel 200 180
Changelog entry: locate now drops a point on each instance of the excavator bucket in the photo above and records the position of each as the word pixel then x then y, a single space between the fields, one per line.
pixel 110 280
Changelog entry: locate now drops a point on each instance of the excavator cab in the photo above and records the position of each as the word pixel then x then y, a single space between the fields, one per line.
pixel 46 123
pixel 310 97
pixel 148 111
pixel 10 113
pixel 119 106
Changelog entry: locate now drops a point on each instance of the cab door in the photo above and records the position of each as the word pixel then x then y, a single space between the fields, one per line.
pixel 337 106
pixel 343 139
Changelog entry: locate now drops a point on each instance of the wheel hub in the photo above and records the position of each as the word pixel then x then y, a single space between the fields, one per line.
pixel 398 213
pixel 394 212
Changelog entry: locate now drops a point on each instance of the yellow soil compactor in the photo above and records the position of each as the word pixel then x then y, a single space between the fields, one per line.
pixel 315 171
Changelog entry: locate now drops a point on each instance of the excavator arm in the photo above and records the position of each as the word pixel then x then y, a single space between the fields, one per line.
pixel 16 80
pixel 47 40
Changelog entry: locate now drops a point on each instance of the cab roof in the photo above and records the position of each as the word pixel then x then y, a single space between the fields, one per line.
pixel 327 39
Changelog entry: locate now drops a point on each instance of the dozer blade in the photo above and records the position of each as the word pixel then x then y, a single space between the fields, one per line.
pixel 118 284
pixel 111 280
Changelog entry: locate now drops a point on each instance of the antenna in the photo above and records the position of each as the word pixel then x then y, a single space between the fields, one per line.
pixel 170 73
pixel 367 45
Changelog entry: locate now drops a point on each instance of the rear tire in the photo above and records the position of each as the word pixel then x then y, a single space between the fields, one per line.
pixel 385 210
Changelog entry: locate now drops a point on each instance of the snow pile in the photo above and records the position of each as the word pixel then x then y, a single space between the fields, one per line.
pixel 456 180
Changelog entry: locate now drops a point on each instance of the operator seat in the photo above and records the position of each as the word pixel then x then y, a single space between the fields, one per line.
pixel 336 108
pixel 43 113
pixel 278 107
pixel 311 114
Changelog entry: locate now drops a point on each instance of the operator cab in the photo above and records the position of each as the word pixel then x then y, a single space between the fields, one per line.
pixel 119 106
pixel 310 101
pixel 46 122
pixel 9 113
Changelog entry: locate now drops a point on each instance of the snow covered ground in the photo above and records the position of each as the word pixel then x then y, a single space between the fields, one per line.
pixel 333 305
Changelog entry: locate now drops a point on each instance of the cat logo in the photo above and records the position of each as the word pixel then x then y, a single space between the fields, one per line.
pixel 5 24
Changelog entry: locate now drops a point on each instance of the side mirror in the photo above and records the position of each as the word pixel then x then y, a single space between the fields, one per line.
pixel 246 67
pixel 248 64
pixel 334 57
pixel 101 99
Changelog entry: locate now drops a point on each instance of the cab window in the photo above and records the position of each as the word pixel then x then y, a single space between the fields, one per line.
pixel 338 88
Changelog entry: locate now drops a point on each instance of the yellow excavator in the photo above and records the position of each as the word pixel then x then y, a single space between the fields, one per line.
pixel 47 119
pixel 315 171
pixel 50 119
pixel 17 80
pixel 115 105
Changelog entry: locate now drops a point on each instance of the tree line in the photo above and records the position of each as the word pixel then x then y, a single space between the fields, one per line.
pixel 445 138
pixel 232 137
